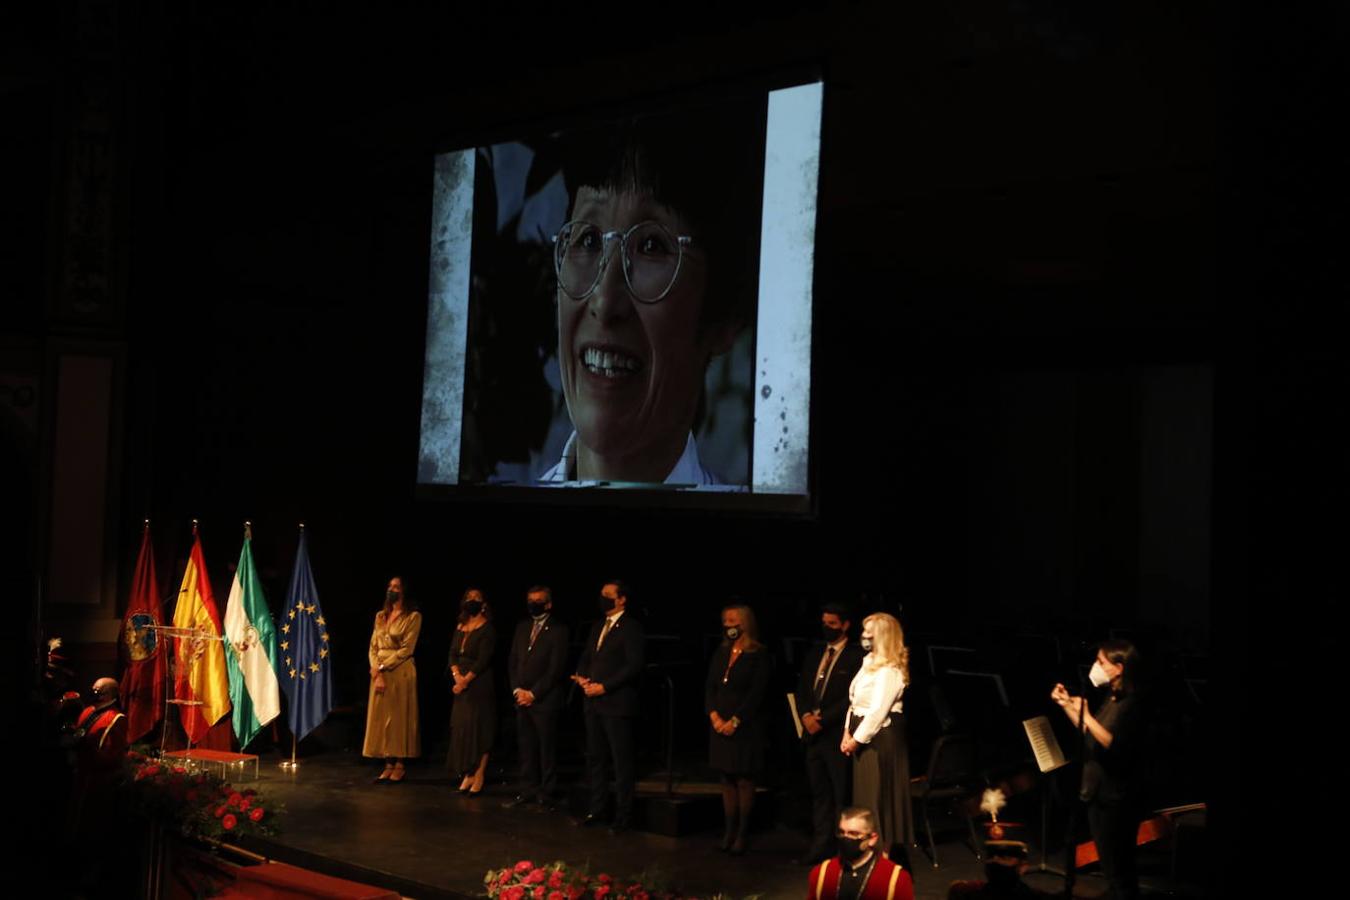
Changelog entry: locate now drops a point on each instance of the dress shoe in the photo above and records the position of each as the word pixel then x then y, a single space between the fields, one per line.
pixel 590 821
pixel 518 801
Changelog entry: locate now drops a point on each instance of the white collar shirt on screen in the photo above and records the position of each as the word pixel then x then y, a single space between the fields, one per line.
pixel 688 470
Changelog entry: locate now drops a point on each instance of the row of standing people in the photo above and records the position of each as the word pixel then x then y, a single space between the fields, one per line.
pixel 849 700
pixel 607 674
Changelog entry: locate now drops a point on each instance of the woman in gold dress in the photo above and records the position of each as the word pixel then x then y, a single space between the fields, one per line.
pixel 391 723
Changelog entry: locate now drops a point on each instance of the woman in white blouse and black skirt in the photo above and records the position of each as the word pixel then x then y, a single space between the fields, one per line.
pixel 874 734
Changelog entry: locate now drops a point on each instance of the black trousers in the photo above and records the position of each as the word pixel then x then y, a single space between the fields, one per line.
pixel 609 742
pixel 537 730
pixel 1114 826
pixel 827 771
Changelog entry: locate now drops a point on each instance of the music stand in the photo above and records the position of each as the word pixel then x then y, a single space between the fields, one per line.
pixel 1049 758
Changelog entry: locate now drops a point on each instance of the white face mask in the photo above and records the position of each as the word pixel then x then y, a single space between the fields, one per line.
pixel 1098 675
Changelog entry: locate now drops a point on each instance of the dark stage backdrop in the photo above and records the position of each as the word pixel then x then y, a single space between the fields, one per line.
pixel 1014 372
pixel 1014 362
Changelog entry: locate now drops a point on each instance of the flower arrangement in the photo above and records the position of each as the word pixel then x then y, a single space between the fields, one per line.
pixel 526 881
pixel 557 881
pixel 199 804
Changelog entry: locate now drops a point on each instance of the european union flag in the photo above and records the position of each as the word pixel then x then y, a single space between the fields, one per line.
pixel 303 662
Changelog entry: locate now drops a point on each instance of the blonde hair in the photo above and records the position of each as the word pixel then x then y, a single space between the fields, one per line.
pixel 748 620
pixel 888 643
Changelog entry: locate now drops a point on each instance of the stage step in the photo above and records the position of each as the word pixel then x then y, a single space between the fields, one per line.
pixel 278 881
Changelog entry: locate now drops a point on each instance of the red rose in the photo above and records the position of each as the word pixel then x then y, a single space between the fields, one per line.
pixel 152 770
pixel 505 877
pixel 235 798
pixel 538 893
pixel 557 895
pixel 535 877
pixel 524 865
pixel 256 814
pixel 604 879
pixel 179 770
pixel 514 892
pixel 601 891
pixel 220 810
pixel 229 821
pixel 555 880
pixel 245 803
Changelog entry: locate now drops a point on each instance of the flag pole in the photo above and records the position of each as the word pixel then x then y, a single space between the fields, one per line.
pixel 291 765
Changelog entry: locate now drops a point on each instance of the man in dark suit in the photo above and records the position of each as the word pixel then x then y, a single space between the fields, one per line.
pixel 822 703
pixel 536 667
pixel 608 671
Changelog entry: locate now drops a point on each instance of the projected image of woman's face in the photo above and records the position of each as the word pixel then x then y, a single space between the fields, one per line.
pixel 632 371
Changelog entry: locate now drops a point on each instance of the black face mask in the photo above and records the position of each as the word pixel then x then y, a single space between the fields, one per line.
pixel 392 596
pixel 473 607
pixel 536 609
pixel 851 849
pixel 606 604
pixel 732 633
pixel 830 634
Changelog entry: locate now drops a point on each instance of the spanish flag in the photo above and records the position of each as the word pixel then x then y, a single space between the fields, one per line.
pixel 200 670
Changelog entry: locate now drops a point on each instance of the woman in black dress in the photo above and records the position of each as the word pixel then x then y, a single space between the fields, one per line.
pixel 1110 771
pixel 738 679
pixel 473 718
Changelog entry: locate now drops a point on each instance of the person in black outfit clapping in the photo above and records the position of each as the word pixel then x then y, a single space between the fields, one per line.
pixel 1111 770
pixel 535 667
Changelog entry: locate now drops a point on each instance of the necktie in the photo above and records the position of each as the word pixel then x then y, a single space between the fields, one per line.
pixel 603 632
pixel 534 633
pixel 824 674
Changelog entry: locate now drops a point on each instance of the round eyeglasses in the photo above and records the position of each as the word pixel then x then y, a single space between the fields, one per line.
pixel 651 258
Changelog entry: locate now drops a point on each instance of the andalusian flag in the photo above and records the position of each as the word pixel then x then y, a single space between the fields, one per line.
pixel 252 650
pixel 201 674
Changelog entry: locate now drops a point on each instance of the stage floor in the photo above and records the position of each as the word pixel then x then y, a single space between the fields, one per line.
pixel 426 840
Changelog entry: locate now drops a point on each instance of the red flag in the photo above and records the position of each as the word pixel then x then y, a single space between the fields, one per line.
pixel 199 668
pixel 143 679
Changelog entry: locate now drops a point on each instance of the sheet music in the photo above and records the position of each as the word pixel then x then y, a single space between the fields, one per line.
pixel 1049 756
pixel 796 719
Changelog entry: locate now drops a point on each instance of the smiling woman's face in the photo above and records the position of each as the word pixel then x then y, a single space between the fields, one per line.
pixel 631 371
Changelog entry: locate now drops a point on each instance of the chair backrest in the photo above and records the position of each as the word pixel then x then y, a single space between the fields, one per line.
pixel 952 760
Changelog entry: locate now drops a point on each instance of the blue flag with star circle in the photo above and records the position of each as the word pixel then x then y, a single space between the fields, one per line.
pixel 304 665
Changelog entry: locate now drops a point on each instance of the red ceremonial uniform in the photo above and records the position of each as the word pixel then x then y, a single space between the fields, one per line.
pixel 104 744
pixel 887 881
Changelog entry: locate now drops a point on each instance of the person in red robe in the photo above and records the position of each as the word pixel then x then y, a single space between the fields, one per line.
pixel 860 871
pixel 100 748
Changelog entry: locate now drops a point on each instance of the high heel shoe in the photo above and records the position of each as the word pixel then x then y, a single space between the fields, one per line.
pixel 384 776
pixel 398 774
pixel 465 784
pixel 476 786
